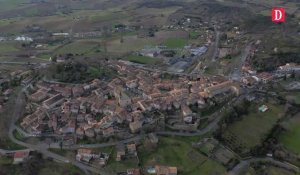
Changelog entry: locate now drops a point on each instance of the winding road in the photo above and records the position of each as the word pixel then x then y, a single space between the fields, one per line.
pixel 243 164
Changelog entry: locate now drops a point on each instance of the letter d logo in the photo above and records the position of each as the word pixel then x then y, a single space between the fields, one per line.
pixel 278 15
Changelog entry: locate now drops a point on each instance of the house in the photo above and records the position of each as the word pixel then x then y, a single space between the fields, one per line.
pixel 108 132
pixel 60 59
pixel 133 172
pixel 90 133
pixel 164 170
pixel 221 88
pixel 289 68
pixel 151 52
pixel 249 81
pixel 84 155
pixel 186 111
pixel 53 101
pixel 38 96
pixel 124 100
pixel 77 91
pixel 263 108
pixel 120 152
pixel 103 158
pixel 265 77
pixel 20 156
pixel 153 138
pixel 131 149
pixel 135 126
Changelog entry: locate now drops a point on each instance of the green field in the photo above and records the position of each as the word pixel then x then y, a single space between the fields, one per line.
pixel 175 42
pixel 80 47
pixel 253 128
pixel 290 138
pixel 143 59
pixel 194 35
pixel 114 166
pixel 6 47
pixel 53 168
pixel 179 153
pixel 11 4
pixel 295 96
pixel 9 145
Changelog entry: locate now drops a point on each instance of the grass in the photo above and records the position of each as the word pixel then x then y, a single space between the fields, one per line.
pixel 6 47
pixel 17 135
pixel 37 166
pixel 175 42
pixel 130 43
pixel 9 145
pixel 80 47
pixel 290 138
pixel 179 153
pixel 114 166
pixel 254 127
pixel 11 4
pixel 295 96
pixel 53 168
pixel 194 35
pixel 143 59
pixel 6 160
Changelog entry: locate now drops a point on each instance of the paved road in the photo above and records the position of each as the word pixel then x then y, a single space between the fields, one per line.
pixel 243 164
pixel 214 55
pixel 24 63
pixel 236 73
pixel 211 126
pixel 100 145
pixel 216 45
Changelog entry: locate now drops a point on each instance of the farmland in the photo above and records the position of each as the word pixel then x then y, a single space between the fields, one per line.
pixel 80 47
pixel 175 42
pixel 143 59
pixel 290 138
pixel 258 125
pixel 179 153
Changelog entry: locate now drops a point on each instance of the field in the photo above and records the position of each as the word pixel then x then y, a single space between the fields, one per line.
pixel 133 43
pixel 47 168
pixel 80 47
pixel 7 47
pixel 253 128
pixel 11 4
pixel 52 168
pixel 295 96
pixel 114 166
pixel 143 59
pixel 194 35
pixel 177 152
pixel 9 145
pixel 290 138
pixel 175 42
pixel 129 44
